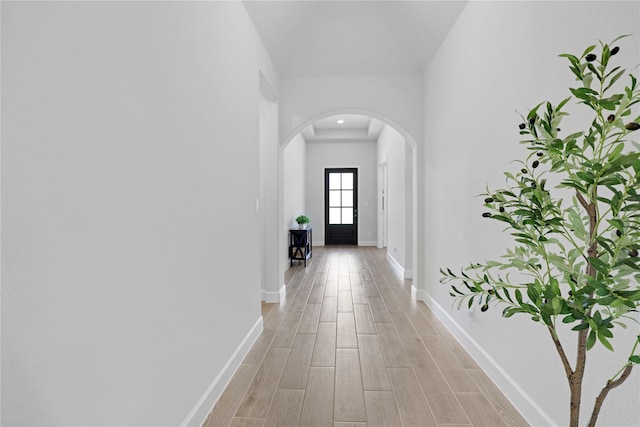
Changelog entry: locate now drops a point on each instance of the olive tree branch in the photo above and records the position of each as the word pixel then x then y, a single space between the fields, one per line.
pixel 563 356
pixel 611 384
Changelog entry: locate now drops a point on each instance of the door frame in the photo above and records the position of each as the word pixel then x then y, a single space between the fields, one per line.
pixel 354 225
pixel 385 202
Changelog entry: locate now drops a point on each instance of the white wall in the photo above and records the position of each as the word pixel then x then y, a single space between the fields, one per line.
pixel 410 214
pixel 294 189
pixel 392 149
pixel 397 100
pixel 501 57
pixel 272 275
pixel 342 154
pixel 129 174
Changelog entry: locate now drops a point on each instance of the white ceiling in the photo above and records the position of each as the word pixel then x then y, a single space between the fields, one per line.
pixel 307 38
pixel 320 38
pixel 354 127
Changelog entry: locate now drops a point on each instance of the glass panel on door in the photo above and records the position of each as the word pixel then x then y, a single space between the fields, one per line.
pixel 341 198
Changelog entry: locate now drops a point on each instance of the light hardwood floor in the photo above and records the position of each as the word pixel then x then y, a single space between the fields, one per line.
pixel 349 347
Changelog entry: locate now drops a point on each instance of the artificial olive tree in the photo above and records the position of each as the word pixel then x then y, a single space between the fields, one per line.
pixel 575 256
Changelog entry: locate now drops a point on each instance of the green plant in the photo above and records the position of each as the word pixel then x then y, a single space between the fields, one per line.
pixel 303 219
pixel 575 260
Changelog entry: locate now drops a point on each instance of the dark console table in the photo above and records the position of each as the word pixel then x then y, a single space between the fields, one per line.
pixel 300 246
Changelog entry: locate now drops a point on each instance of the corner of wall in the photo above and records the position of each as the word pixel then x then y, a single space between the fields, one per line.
pixel 274 297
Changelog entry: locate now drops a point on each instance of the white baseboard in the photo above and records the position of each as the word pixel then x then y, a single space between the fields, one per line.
pixel 534 415
pixel 201 410
pixel 360 243
pixel 396 263
pixel 276 297
pixel 408 274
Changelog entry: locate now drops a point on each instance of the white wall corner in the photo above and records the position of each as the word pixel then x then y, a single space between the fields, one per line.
pixel 274 297
pixel 533 413
pixel 200 411
pixel 415 294
pixel 395 263
pixel 367 243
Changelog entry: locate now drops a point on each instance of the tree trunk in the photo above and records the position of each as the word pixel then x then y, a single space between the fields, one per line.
pixel 575 379
pixel 575 386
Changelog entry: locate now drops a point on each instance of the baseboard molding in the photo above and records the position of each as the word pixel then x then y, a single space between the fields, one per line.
pixel 367 243
pixel 270 296
pixel 534 415
pixel 408 274
pixel 395 263
pixel 201 410
pixel 317 243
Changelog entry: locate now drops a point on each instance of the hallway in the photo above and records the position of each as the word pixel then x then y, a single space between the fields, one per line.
pixel 350 347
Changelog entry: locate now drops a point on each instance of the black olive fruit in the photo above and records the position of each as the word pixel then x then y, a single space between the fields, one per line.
pixel 501 209
pixel 590 57
pixel 540 154
pixel 615 50
pixel 632 126
pixel 535 164
pixel 484 307
pixel 522 126
pixel 523 170
pixel 618 233
pixel 486 215
pixel 488 200
pixel 611 118
pixel 633 253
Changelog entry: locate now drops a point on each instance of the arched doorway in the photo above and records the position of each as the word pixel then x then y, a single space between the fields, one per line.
pixel 392 131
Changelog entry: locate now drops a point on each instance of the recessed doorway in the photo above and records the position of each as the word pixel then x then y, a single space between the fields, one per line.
pixel 341 206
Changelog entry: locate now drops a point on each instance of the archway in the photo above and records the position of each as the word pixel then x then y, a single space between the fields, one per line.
pixel 410 231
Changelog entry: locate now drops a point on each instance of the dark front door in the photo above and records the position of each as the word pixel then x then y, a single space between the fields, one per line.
pixel 341 206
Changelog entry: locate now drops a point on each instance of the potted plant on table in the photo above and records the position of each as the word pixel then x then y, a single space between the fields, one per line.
pixel 575 260
pixel 302 221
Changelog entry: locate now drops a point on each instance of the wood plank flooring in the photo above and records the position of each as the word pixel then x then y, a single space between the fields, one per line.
pixel 349 347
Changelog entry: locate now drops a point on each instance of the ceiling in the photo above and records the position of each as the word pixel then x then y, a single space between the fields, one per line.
pixel 343 127
pixel 321 38
pixel 307 38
